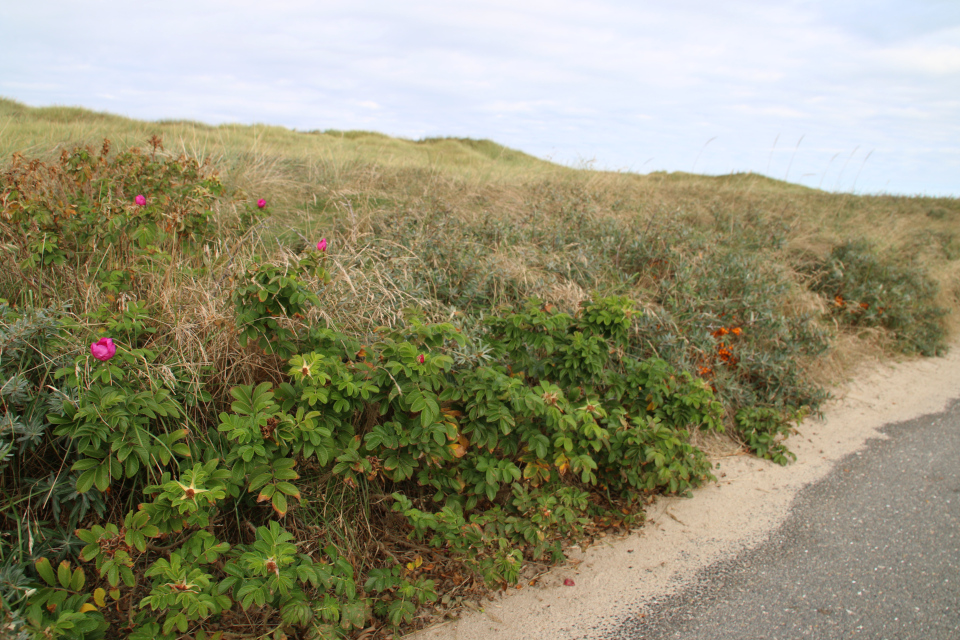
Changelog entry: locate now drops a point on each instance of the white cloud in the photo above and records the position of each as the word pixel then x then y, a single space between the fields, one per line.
pixel 777 111
pixel 615 80
pixel 940 60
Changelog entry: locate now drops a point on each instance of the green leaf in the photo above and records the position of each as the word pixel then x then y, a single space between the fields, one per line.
pixel 289 489
pixel 86 463
pixel 46 571
pixel 267 492
pixel 260 480
pixel 101 477
pixel 113 575
pixel 63 574
pixel 85 481
pixel 280 503
pixel 77 580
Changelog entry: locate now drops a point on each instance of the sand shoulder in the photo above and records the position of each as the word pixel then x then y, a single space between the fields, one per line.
pixel 682 536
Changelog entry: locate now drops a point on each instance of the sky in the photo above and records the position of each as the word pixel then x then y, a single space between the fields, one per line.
pixel 845 95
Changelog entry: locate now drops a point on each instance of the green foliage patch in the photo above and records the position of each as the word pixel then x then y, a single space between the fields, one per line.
pixel 867 291
pixel 314 480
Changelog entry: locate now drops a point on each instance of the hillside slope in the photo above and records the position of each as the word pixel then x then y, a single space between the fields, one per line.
pixel 321 382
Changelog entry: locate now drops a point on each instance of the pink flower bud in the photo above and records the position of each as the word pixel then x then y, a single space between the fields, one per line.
pixel 261 203
pixel 322 245
pixel 103 349
pixel 420 358
pixel 140 200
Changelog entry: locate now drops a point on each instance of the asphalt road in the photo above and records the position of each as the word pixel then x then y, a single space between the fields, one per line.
pixel 871 551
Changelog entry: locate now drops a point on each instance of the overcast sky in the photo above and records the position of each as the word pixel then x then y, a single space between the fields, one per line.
pixel 849 95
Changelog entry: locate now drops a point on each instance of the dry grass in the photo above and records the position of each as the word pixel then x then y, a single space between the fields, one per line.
pixel 344 184
pixel 418 223
pixel 380 201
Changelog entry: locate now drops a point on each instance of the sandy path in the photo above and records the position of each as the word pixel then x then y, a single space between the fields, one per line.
pixel 682 536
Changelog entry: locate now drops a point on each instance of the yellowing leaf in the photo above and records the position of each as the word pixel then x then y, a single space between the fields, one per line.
pixel 63 574
pixel 459 447
pixel 100 597
pixel 87 607
pixel 46 571
pixel 279 503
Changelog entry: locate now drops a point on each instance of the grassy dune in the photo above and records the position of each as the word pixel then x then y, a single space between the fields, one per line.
pixel 492 355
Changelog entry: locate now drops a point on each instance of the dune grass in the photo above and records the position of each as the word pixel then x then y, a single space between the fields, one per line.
pixel 644 307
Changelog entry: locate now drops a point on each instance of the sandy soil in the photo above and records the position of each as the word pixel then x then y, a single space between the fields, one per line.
pixel 750 500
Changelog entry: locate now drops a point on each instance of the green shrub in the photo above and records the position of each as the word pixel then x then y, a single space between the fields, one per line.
pixel 764 429
pixel 268 294
pixel 864 290
pixel 60 607
pixel 80 214
pixel 277 480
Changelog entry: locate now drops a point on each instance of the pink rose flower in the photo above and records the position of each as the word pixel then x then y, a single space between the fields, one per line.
pixel 322 245
pixel 103 349
pixel 261 203
pixel 420 358
pixel 140 200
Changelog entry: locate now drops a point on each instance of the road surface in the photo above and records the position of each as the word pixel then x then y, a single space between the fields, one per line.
pixel 870 551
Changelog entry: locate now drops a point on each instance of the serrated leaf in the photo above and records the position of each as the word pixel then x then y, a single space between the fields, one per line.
pixel 89 552
pixel 85 481
pixel 46 571
pixel 136 539
pixel 289 489
pixel 101 477
pixel 283 463
pixel 86 463
pixel 280 503
pixel 286 474
pixel 63 574
pixel 77 580
pixel 260 480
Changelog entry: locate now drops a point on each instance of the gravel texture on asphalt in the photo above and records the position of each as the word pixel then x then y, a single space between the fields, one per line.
pixel 872 551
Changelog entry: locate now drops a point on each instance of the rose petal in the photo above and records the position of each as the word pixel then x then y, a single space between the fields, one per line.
pixel 103 349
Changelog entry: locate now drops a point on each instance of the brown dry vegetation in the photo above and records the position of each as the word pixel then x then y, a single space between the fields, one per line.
pixel 454 226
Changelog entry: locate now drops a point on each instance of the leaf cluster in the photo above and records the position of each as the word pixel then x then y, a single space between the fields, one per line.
pixel 865 290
